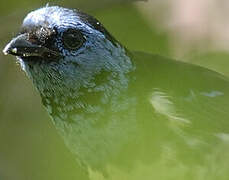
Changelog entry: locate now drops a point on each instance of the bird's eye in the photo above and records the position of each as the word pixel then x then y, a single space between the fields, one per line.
pixel 73 39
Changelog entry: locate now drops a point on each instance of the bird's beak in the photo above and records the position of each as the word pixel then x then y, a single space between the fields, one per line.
pixel 21 46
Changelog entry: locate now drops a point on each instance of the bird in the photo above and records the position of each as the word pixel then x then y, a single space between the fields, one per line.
pixel 124 114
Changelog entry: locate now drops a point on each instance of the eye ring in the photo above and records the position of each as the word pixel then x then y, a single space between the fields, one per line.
pixel 73 39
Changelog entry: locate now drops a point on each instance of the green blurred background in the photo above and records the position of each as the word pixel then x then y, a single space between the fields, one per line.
pixel 30 147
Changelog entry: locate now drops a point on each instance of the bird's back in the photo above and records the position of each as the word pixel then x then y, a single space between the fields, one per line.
pixel 182 128
pixel 190 93
pixel 183 121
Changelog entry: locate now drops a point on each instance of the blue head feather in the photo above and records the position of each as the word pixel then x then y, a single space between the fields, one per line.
pixel 100 57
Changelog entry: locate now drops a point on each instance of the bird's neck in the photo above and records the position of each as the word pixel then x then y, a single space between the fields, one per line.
pixel 95 117
pixel 96 94
pixel 110 94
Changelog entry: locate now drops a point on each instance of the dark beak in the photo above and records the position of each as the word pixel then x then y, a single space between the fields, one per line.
pixel 20 46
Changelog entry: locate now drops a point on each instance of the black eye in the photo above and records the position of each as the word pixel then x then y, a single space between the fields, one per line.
pixel 73 39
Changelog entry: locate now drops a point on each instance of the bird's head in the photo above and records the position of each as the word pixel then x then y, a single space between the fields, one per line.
pixel 64 50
